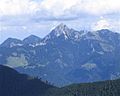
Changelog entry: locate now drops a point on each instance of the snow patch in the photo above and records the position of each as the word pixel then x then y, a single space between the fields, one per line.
pixel 14 44
pixel 89 66
pixel 37 44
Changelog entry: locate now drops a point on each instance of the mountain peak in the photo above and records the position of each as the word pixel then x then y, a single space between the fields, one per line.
pixel 31 39
pixel 61 25
pixel 33 36
pixel 11 42
pixel 104 30
pixel 61 29
pixel 64 32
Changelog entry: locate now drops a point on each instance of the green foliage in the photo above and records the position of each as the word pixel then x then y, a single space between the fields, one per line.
pixel 105 88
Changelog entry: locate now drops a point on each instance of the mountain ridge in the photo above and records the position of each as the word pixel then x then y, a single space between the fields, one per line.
pixel 83 56
pixel 61 29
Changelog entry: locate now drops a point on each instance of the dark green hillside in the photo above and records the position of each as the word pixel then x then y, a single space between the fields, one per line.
pixel 14 84
pixel 105 88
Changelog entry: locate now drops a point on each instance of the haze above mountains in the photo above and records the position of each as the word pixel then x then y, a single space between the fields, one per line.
pixel 65 55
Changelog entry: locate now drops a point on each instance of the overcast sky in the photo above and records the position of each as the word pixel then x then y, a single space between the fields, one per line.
pixel 20 18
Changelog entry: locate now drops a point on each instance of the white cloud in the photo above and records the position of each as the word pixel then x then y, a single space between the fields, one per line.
pixel 58 8
pixel 17 7
pixel 101 24
pixel 78 7
pixel 106 23
pixel 102 6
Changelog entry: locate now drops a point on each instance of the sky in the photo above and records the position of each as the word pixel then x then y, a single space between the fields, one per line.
pixel 21 18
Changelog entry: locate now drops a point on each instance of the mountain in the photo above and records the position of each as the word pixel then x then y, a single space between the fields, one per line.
pixel 11 42
pixel 63 32
pixel 72 56
pixel 13 83
pixel 32 39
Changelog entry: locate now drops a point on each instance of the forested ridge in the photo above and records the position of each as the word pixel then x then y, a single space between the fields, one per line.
pixel 13 83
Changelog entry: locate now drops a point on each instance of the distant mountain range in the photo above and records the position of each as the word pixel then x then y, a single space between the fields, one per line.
pixel 13 83
pixel 65 55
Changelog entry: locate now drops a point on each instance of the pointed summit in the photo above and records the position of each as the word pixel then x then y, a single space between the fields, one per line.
pixel 61 29
pixel 31 39
pixel 62 32
pixel 61 26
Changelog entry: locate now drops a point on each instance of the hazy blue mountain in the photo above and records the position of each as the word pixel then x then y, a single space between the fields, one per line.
pixel 32 39
pixel 72 56
pixel 11 42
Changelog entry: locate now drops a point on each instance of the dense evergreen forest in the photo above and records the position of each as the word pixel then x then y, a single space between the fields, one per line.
pixel 14 84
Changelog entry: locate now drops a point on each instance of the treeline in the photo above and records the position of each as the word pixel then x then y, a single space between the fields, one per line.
pixel 105 88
